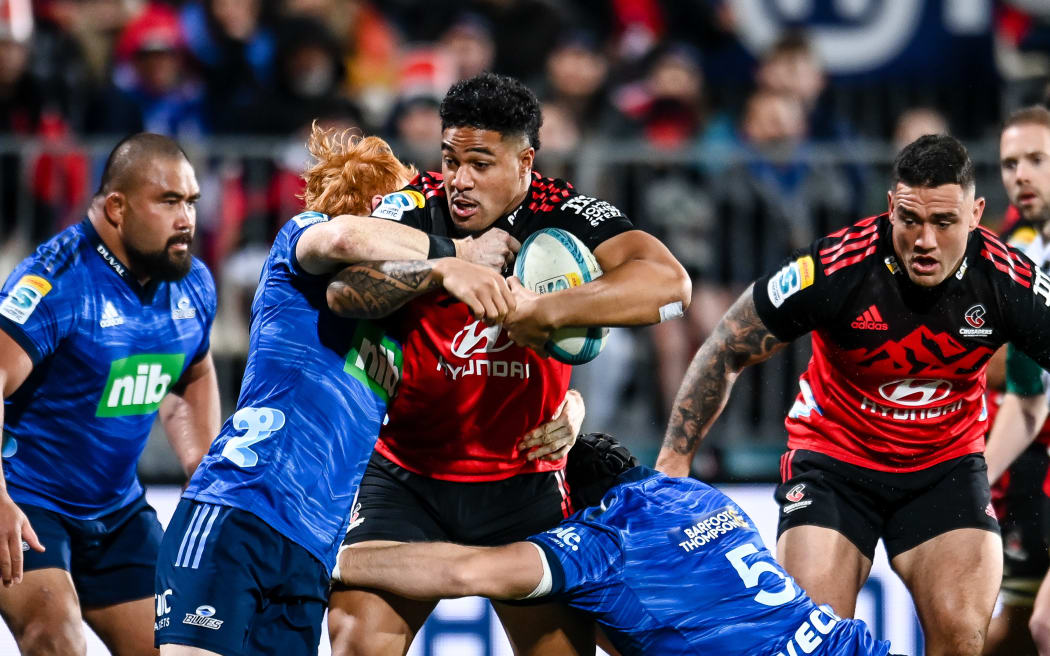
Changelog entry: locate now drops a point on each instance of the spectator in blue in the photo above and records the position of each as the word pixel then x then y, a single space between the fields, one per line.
pixel 153 74
pixel 237 53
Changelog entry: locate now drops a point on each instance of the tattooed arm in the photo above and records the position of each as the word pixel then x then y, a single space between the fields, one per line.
pixel 740 340
pixel 372 290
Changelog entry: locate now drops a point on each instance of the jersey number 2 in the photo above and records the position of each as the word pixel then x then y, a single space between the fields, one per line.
pixel 257 424
pixel 749 575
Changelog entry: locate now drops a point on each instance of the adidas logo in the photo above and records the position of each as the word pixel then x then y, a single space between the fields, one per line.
pixel 110 316
pixel 870 319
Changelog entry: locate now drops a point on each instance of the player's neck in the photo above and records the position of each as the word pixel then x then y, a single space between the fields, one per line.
pixel 111 238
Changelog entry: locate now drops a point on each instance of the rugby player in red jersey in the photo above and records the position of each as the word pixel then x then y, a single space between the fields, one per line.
pixel 450 464
pixel 1024 157
pixel 885 438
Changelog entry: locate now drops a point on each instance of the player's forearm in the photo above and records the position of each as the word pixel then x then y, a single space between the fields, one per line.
pixel 739 340
pixel 372 290
pixel 191 417
pixel 636 293
pixel 348 239
pixel 432 570
pixel 1016 426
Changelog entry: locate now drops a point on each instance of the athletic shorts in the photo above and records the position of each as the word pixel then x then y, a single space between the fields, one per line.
pixel 904 509
pixel 1022 510
pixel 396 504
pixel 228 583
pixel 110 559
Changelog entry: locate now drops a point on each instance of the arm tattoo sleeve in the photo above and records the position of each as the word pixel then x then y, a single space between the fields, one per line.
pixel 741 339
pixel 372 290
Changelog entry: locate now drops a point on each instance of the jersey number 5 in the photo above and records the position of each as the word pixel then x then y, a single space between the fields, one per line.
pixel 749 575
pixel 257 424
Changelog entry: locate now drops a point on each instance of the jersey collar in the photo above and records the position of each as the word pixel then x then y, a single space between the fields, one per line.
pixel 145 293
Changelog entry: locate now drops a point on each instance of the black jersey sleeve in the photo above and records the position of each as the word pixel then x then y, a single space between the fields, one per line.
pixel 407 206
pixel 808 290
pixel 591 219
pixel 1024 299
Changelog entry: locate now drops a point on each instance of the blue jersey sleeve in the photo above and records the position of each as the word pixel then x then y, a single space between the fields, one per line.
pixel 291 233
pixel 205 287
pixel 38 309
pixel 581 556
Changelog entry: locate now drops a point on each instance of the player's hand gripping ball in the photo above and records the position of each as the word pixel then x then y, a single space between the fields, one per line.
pixel 552 260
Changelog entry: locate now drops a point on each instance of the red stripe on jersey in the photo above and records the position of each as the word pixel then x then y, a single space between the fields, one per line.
pixel 996 246
pixel 1008 270
pixel 849 248
pixel 842 264
pixel 859 224
pixel 1012 259
pixel 563 488
pixel 875 313
pixel 842 244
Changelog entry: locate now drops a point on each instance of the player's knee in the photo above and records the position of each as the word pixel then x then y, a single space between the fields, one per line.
pixel 1039 625
pixel 352 636
pixel 958 638
pixel 50 637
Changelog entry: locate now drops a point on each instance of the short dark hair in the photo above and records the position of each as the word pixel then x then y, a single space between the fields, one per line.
pixel 493 102
pixel 1034 115
pixel 933 160
pixel 128 156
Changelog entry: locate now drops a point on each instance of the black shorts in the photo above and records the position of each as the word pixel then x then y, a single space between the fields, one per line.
pixel 110 559
pixel 396 504
pixel 1022 509
pixel 904 509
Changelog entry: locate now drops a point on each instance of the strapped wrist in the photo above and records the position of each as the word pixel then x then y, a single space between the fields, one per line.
pixel 440 247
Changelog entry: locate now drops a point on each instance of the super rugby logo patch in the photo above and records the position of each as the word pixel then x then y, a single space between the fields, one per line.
pixel 793 278
pixel 24 297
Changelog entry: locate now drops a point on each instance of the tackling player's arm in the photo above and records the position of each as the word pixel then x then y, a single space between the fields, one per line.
pixel 642 284
pixel 553 440
pixel 739 340
pixel 15 366
pixel 439 570
pixel 372 290
pixel 190 414
pixel 1023 411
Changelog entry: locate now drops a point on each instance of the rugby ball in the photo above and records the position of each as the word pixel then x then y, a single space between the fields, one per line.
pixel 549 261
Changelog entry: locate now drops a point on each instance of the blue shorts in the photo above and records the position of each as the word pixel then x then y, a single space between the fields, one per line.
pixel 228 583
pixel 111 559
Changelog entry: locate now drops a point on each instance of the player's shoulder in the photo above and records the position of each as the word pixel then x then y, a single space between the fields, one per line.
pixel 851 247
pixel 425 188
pixel 56 260
pixel 555 196
pixel 998 260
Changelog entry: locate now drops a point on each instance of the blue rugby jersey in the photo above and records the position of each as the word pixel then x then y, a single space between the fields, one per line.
pixel 314 393
pixel 673 566
pixel 105 351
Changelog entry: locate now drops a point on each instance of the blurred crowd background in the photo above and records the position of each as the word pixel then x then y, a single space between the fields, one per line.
pixel 735 130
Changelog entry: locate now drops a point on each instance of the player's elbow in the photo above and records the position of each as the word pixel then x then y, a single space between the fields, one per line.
pixel 343 302
pixel 680 287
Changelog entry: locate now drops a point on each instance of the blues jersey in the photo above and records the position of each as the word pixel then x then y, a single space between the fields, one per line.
pixel 105 351
pixel 314 393
pixel 673 566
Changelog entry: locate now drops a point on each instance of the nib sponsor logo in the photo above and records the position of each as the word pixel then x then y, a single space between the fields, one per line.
pixel 870 319
pixel 137 384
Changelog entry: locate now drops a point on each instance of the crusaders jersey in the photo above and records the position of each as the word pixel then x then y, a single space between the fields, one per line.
pixel 469 393
pixel 673 566
pixel 896 381
pixel 105 351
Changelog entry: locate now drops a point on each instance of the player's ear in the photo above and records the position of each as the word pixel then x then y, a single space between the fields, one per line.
pixel 889 202
pixel 376 200
pixel 114 206
pixel 978 212
pixel 526 159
